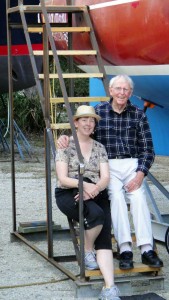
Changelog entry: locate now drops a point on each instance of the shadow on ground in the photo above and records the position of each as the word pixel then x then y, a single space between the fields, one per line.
pixel 149 296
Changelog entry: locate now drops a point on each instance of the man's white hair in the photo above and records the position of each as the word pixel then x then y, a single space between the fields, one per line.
pixel 123 76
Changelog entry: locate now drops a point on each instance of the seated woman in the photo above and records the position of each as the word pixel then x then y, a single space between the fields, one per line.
pixel 97 217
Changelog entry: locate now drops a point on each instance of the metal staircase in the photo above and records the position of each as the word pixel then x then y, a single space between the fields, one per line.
pixel 47 102
pixel 42 83
pixel 47 32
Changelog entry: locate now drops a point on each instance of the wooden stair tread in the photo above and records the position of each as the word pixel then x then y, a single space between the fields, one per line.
pixel 138 268
pixel 59 29
pixel 50 9
pixel 55 126
pixel 78 99
pixel 74 75
pixel 67 52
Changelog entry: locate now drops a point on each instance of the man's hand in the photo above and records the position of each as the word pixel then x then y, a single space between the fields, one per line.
pixel 135 183
pixel 63 142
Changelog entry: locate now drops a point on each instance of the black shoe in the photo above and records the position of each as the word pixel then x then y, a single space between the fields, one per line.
pixel 151 259
pixel 126 260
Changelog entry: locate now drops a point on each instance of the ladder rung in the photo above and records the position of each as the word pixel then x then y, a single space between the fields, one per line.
pixel 79 99
pixel 138 268
pixel 60 126
pixel 60 29
pixel 50 9
pixel 74 75
pixel 67 52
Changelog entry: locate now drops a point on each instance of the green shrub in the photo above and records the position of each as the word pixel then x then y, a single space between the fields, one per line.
pixel 27 109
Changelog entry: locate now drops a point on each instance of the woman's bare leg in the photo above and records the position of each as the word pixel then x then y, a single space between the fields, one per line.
pixel 90 237
pixel 105 262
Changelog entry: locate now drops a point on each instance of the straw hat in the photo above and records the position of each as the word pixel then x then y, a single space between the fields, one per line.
pixel 86 111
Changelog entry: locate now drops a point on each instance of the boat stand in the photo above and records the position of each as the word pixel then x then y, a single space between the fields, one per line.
pixel 160 222
pixel 3 140
pixel 21 142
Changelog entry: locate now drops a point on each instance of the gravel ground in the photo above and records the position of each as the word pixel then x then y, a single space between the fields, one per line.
pixel 23 273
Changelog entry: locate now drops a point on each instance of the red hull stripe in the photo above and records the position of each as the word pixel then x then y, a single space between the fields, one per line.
pixel 19 49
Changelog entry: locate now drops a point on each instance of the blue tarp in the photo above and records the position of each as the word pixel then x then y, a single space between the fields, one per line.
pixel 158 117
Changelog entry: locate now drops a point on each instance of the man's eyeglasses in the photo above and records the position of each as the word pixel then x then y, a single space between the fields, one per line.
pixel 120 89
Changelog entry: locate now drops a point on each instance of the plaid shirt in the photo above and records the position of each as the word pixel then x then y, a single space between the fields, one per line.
pixel 127 133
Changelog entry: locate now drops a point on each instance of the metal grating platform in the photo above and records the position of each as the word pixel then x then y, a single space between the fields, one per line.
pixel 128 286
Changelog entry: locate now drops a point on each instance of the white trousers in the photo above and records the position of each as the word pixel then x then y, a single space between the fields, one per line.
pixel 121 172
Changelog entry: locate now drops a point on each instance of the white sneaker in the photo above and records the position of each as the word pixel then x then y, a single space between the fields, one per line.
pixel 90 261
pixel 111 293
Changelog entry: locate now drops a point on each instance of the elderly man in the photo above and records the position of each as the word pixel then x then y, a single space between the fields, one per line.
pixel 124 131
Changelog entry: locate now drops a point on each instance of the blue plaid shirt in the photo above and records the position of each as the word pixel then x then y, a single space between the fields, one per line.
pixel 127 133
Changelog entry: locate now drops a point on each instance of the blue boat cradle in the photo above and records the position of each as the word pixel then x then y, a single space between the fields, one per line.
pixel 19 140
pixel 3 140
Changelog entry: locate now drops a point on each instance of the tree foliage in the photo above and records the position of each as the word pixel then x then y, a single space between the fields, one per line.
pixel 27 109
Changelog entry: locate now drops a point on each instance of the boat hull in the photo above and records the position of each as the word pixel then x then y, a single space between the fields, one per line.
pixel 130 32
pixel 133 38
pixel 22 73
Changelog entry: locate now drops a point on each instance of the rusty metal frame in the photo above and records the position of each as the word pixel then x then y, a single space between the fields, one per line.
pixel 44 96
pixel 49 142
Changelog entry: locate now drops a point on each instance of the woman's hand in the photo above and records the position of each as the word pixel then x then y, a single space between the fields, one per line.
pixel 90 191
pixel 85 196
pixel 63 142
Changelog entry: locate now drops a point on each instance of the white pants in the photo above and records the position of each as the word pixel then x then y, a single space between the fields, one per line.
pixel 121 172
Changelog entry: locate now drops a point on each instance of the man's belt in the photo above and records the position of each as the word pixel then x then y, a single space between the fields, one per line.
pixel 121 156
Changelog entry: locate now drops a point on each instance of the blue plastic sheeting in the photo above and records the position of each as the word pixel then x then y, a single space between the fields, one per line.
pixel 158 117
